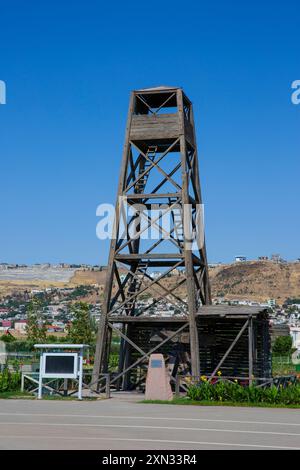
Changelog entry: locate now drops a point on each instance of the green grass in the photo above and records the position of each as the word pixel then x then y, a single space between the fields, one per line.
pixel 26 395
pixel 69 398
pixel 6 395
pixel 186 401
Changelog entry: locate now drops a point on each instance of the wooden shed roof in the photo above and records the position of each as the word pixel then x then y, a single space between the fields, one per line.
pixel 158 88
pixel 231 310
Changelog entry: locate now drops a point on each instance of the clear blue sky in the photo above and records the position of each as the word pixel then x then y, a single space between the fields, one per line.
pixel 69 68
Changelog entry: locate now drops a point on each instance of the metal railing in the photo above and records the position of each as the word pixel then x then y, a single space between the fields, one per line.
pixel 59 386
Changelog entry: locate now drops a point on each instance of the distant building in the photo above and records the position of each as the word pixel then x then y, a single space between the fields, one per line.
pixel 155 274
pixel 263 258
pixel 5 325
pixel 295 334
pixel 177 272
pixel 296 306
pixel 280 329
pixel 20 326
pixel 276 258
pixel 4 311
pixel 240 259
pixel 12 266
pixel 271 303
pixel 55 328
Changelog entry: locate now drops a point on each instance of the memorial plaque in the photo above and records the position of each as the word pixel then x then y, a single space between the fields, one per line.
pixel 156 363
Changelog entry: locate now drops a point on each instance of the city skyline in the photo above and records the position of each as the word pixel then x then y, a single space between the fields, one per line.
pixel 267 257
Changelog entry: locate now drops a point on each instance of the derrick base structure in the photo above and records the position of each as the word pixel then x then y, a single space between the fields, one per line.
pixel 218 328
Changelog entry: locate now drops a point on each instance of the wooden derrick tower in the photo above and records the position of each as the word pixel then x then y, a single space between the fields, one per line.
pixel 156 279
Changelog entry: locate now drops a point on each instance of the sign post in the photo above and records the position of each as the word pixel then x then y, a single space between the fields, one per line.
pixel 61 361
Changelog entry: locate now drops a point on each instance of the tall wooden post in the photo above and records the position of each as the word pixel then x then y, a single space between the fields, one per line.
pixel 250 349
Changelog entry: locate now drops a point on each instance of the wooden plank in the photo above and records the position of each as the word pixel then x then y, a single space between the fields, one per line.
pixel 145 256
pixel 153 196
pixel 160 126
pixel 250 349
pixel 189 132
pixel 148 319
pixel 230 310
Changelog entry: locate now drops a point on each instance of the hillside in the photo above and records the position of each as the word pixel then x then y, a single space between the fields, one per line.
pixel 256 280
pixel 253 280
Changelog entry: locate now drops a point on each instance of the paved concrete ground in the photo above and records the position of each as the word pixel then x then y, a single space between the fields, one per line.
pixel 122 423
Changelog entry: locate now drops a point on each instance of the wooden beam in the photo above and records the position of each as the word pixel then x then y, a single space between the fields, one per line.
pixel 141 319
pixel 145 256
pixel 250 346
pixel 191 292
pixel 145 196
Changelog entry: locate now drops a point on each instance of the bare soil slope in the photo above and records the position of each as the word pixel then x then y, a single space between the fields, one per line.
pixel 257 280
pixel 253 280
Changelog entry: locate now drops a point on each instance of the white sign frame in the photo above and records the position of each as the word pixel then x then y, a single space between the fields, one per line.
pixel 78 364
pixel 63 375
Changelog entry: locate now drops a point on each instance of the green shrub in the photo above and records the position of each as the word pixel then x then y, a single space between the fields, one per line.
pixel 234 392
pixel 7 338
pixel 10 381
pixel 283 345
pixel 114 361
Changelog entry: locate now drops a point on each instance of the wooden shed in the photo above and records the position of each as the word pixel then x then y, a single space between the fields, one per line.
pixel 232 339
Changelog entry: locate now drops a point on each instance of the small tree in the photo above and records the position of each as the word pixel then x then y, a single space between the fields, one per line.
pixel 80 331
pixel 283 346
pixel 36 327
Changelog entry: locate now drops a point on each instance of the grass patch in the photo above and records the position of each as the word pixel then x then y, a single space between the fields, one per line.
pixel 70 398
pixel 186 401
pixel 30 396
pixel 16 395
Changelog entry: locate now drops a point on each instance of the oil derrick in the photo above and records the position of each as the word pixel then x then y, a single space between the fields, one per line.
pixel 157 275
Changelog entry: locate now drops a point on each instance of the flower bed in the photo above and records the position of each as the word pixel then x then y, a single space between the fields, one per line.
pixel 234 392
